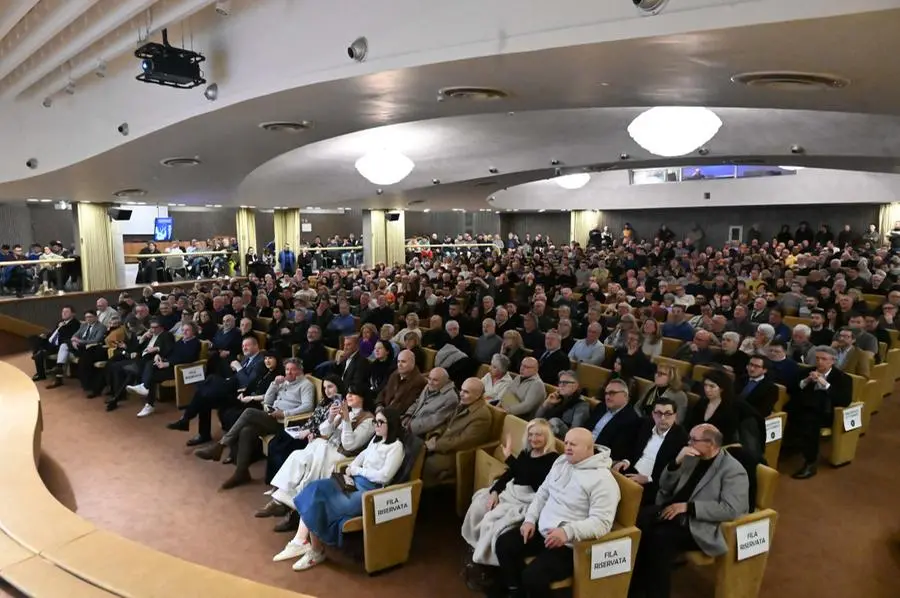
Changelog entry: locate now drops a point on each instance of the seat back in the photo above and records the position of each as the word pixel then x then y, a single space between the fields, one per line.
pixel 791 321
pixel 483 370
pixel 592 377
pixel 430 354
pixel 630 503
pixel 204 350
pixel 413 460
pixel 670 346
pixel 513 428
pixel 472 341
pixel 766 483
pixel 317 383
pixel 498 417
pixel 683 367
pixel 642 386
pixel 260 339
pixel 262 324
pixel 701 370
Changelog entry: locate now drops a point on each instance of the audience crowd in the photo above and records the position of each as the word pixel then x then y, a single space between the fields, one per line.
pixel 502 325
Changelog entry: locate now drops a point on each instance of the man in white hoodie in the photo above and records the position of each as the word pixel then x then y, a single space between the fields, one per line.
pixel 577 501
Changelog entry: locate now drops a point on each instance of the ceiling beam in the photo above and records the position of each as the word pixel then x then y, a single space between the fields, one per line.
pixel 162 19
pixel 109 22
pixel 13 14
pixel 45 30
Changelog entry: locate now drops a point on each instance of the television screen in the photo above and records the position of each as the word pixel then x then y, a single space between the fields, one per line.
pixel 162 229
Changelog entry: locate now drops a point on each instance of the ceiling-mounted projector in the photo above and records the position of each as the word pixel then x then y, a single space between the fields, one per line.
pixel 167 65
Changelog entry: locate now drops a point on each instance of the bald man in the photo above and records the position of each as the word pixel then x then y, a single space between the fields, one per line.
pixel 403 386
pixel 435 404
pixel 700 489
pixel 525 394
pixel 561 513
pixel 468 427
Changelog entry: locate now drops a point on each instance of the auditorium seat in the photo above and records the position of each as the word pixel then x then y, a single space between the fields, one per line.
pixel 701 370
pixel 184 393
pixel 843 442
pixel 295 420
pixel 683 367
pixel 465 460
pixel 261 339
pixel 670 346
pixel 791 321
pixel 430 354
pixel 773 445
pixel 592 378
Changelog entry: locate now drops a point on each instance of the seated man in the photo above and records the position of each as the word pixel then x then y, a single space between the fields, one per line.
pixel 554 360
pixel 703 487
pixel 526 393
pixel 155 343
pixel 759 392
pixel 657 443
pixel 590 349
pixel 488 344
pixel 435 404
pixel 467 428
pixel 216 392
pixel 566 408
pixel 91 333
pixel 455 337
pixel 403 385
pixel 435 337
pixel 291 394
pixel 613 423
pixel 698 352
pixel 576 502
pixel 162 368
pixel 312 352
pixel 812 406
pixel 54 341
pixel 226 347
pixel 849 357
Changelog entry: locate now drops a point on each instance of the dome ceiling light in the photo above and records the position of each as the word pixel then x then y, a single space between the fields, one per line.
pixel 384 166
pixel 573 181
pixel 671 131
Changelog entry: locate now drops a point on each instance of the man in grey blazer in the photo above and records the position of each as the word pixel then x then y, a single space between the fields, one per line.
pixel 703 487
pixel 89 333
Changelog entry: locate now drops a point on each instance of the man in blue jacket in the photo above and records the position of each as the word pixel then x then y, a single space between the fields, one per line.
pixel 217 392
pixel 162 368
pixel 287 259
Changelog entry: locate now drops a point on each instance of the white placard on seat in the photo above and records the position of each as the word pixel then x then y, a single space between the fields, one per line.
pixel 610 558
pixel 193 374
pixel 852 418
pixel 773 429
pixel 393 505
pixel 752 539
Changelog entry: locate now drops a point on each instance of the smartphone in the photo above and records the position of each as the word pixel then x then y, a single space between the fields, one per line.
pixel 337 402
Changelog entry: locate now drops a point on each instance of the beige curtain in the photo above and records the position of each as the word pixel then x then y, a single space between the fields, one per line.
pixel 378 238
pixel 582 222
pixel 888 214
pixel 98 264
pixel 395 239
pixel 287 229
pixel 246 235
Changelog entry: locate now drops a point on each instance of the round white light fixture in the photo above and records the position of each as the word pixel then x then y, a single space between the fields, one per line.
pixel 792 167
pixel 671 131
pixel 573 181
pixel 384 166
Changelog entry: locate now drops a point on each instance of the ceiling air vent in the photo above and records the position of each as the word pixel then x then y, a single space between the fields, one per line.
pixel 131 193
pixel 416 202
pixel 180 162
pixel 791 80
pixel 473 93
pixel 485 184
pixel 283 126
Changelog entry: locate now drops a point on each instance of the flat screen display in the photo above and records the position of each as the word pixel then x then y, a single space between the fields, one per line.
pixel 162 229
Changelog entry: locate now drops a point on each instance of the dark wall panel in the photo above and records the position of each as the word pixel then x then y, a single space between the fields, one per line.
pixel 329 225
pixel 451 223
pixel 555 225
pixel 48 224
pixel 265 228
pixel 715 221
pixel 204 225
pixel 15 224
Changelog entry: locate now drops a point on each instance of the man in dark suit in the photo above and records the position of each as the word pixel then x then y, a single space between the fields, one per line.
pixel 352 367
pixel 156 342
pixel 216 392
pixel 53 341
pixel 760 312
pixel 312 351
pixel 812 407
pixel 554 359
pixel 657 443
pixel 759 391
pixel 614 423
pixel 89 334
pixel 186 350
pixel 226 347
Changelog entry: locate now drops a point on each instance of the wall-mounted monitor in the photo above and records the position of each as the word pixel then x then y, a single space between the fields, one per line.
pixel 162 229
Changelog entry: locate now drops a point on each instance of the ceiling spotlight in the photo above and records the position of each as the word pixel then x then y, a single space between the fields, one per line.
pixel 211 92
pixel 179 162
pixel 649 7
pixel 703 151
pixel 384 166
pixel 435 181
pixel 554 162
pixel 573 181
pixel 426 210
pixel 624 156
pixel 70 88
pixel 223 8
pixel 542 210
pixel 100 71
pixel 797 149
pixel 123 129
pixel 131 193
pixel 31 163
pixel 493 170
pixel 671 131
pixel 359 49
pixel 379 191
pixel 48 101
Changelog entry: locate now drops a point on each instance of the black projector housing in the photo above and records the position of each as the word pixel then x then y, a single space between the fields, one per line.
pixel 170 66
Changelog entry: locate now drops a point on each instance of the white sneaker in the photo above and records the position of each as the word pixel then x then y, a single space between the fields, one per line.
pixel 309 560
pixel 147 410
pixel 138 389
pixel 292 550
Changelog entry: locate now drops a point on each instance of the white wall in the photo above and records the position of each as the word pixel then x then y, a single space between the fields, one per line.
pixel 612 191
pixel 142 219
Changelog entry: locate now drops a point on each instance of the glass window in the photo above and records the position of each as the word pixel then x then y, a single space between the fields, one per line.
pixel 705 173
pixel 653 176
pixel 747 171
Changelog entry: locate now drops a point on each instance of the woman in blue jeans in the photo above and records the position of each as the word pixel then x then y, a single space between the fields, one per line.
pixel 324 505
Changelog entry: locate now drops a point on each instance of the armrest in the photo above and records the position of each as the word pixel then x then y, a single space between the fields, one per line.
pixel 293 419
pixel 728 526
pixel 341 465
pixel 614 585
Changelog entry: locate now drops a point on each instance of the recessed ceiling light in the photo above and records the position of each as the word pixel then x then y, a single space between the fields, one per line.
pixel 286 126
pixel 181 205
pixel 172 205
pixel 426 210
pixel 542 210
pixel 468 92
pixel 32 200
pixel 791 80
pixel 131 193
pixel 46 201
pixel 180 162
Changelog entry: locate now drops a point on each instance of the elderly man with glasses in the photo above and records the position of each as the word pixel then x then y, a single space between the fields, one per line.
pixel 566 408
pixel 613 423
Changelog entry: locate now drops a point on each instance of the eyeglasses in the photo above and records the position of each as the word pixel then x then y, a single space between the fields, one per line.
pixel 561 382
pixel 380 422
pixel 693 440
pixel 664 413
pixel 609 393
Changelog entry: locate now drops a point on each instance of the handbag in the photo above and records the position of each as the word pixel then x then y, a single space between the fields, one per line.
pixel 342 483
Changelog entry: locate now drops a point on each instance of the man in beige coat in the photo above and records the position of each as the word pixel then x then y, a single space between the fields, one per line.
pixel 468 427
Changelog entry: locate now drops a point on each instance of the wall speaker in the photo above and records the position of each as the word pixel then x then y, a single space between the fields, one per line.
pixel 119 214
pixel 393 216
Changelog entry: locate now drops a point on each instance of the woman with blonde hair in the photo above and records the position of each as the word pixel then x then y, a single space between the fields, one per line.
pixel 652 345
pixel 503 505
pixel 666 383
pixel 368 336
pixel 513 348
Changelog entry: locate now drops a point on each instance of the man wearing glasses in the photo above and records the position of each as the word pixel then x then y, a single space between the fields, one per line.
pixel 657 444
pixel 700 489
pixel 613 423
pixel 566 408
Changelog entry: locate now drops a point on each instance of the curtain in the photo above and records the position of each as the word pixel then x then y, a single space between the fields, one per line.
pixel 888 214
pixel 98 264
pixel 377 239
pixel 245 220
pixel 395 239
pixel 582 223
pixel 287 229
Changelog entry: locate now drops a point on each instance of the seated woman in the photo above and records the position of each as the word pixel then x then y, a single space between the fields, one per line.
pixel 368 336
pixel 716 407
pixel 346 431
pixel 502 506
pixel 632 356
pixel 513 348
pixel 324 505
pixel 279 334
pixel 383 365
pixel 667 383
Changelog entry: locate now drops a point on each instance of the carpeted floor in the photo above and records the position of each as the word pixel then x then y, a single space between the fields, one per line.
pixel 838 534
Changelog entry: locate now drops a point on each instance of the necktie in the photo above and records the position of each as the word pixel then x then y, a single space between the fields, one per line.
pixel 749 388
pixel 87 333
